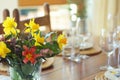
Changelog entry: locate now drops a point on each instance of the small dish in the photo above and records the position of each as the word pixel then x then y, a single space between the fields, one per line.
pixel 3 68
pixel 3 77
pixel 48 63
pixel 113 74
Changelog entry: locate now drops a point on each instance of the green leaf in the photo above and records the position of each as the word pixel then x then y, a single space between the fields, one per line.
pixel 54 47
pixel 54 37
pixel 48 35
pixel 8 37
pixel 27 68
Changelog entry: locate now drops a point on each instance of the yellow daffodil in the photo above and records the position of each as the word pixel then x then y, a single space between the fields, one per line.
pixel 32 26
pixel 10 26
pixel 62 40
pixel 39 39
pixel 4 50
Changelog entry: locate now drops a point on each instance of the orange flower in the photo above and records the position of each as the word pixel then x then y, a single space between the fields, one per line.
pixel 30 55
pixel 62 40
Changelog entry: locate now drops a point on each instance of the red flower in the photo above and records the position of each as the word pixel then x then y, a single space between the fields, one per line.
pixel 29 54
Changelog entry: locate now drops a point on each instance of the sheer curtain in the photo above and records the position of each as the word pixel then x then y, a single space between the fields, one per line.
pixel 118 12
pixel 99 12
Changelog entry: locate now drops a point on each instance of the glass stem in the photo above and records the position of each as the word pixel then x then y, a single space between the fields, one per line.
pixel 73 53
pixel 108 64
pixel 73 45
pixel 119 57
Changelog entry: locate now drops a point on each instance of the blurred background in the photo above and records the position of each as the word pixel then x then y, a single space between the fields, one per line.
pixel 64 13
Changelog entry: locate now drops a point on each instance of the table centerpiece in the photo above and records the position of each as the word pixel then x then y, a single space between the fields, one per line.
pixel 24 50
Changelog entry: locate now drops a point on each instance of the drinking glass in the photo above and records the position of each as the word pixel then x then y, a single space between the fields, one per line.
pixel 116 36
pixel 71 50
pixel 106 44
pixel 85 37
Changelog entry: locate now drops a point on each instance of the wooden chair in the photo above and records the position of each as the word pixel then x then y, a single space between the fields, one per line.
pixel 42 21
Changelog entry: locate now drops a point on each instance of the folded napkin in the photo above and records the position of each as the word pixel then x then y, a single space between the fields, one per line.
pixel 113 74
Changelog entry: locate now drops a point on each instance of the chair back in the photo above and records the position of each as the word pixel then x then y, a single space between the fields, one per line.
pixel 42 20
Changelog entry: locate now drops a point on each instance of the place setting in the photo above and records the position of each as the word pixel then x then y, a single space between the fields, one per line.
pixel 90 49
pixel 113 74
pixel 79 47
pixel 109 43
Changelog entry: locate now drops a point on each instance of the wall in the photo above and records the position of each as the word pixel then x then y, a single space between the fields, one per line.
pixel 9 4
pixel 39 2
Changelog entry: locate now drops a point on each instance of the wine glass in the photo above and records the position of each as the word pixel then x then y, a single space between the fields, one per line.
pixel 116 37
pixel 83 32
pixel 85 37
pixel 106 44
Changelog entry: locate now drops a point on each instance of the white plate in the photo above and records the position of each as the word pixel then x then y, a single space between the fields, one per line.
pixel 86 45
pixel 2 77
pixel 113 74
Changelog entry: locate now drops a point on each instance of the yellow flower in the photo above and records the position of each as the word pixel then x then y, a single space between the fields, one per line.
pixel 32 26
pixel 62 40
pixel 38 39
pixel 4 50
pixel 10 26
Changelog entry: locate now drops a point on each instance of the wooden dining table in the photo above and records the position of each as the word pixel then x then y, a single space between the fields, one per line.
pixel 64 69
pixel 87 69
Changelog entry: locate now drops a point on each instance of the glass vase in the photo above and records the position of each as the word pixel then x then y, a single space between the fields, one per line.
pixel 25 71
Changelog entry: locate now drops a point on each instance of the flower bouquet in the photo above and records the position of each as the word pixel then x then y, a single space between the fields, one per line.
pixel 24 50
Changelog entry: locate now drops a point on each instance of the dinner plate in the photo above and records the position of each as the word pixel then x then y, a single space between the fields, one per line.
pixel 113 74
pixel 86 45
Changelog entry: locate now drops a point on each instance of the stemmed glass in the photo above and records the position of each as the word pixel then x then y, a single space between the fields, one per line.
pixel 84 36
pixel 83 32
pixel 106 44
pixel 116 37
